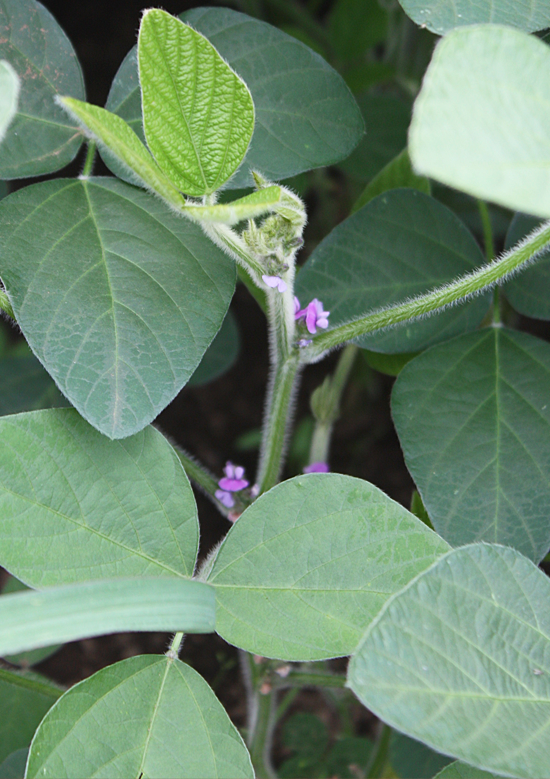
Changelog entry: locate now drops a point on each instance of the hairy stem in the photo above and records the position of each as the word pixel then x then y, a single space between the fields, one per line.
pixel 262 738
pixel 202 478
pixel 5 304
pixel 90 159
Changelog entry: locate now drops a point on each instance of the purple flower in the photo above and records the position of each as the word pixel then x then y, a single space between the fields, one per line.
pixel 313 315
pixel 303 342
pixel 225 498
pixel 317 468
pixel 297 312
pixel 233 480
pixel 275 282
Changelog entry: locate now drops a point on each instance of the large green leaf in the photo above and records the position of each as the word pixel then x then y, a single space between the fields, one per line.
pixel 411 759
pixel 198 115
pixel 41 137
pixel 221 353
pixel 25 386
pixel 148 716
pixel 400 244
pixel 397 173
pixel 33 656
pixel 480 122
pixel 440 16
pixel 529 291
pixel 310 563
pixel 473 418
pixel 458 770
pixel 9 95
pixel 460 659
pixel 306 116
pixel 76 506
pixel 118 297
pixel 33 619
pixel 25 699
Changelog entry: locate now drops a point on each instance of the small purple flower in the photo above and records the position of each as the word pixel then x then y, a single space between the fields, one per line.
pixel 319 467
pixel 315 316
pixel 297 312
pixel 303 342
pixel 225 498
pixel 274 282
pixel 233 480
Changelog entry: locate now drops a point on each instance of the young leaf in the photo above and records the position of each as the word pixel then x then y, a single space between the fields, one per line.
pixel 440 16
pixel 221 353
pixel 198 115
pixel 144 716
pixel 25 699
pixel 121 313
pixel 529 291
pixel 310 563
pixel 398 245
pixel 473 419
pixel 397 173
pixel 9 95
pixel 41 138
pixel 459 659
pixel 469 127
pixel 319 123
pixel 25 386
pixel 74 611
pixel 76 506
pixel 256 204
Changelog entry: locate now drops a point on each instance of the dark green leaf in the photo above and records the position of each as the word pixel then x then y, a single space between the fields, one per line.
pixel 390 364
pixel 473 418
pixel 41 137
pixel 221 353
pixel 25 386
pixel 13 767
pixel 440 16
pixel 529 291
pixel 399 245
pixel 411 759
pixel 305 733
pixel 348 756
pixel 356 25
pixel 459 770
pixel 397 173
pixel 122 311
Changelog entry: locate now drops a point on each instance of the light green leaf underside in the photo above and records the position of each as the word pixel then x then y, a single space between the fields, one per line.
pixel 198 115
pixel 76 611
pixel 147 716
pixel 9 94
pixel 397 173
pixel 317 124
pixel 440 16
pixel 76 506
pixel 460 659
pixel 458 770
pixel 529 291
pixel 25 386
pixel 41 138
pixel 469 127
pixel 34 656
pixel 13 767
pixel 25 699
pixel 221 353
pixel 118 297
pixel 399 245
pixel 473 418
pixel 256 204
pixel 310 563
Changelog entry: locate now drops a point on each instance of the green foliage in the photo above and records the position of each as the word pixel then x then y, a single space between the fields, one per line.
pixel 25 386
pixel 220 355
pixel 397 173
pixel 411 759
pixel 470 637
pixel 33 656
pixel 13 767
pixel 145 716
pixel 440 16
pixel 459 770
pixel 40 139
pixel 9 95
pixel 529 292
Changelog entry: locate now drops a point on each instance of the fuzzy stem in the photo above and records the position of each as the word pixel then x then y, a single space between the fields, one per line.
pixel 233 245
pixel 175 646
pixel 90 159
pixel 5 304
pixel 261 742
pixel 461 289
pixel 202 478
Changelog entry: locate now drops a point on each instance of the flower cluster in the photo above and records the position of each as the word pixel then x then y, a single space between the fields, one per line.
pixel 313 316
pixel 320 467
pixel 233 481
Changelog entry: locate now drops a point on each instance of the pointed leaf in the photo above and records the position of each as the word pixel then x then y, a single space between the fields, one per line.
pixel 469 127
pixel 473 419
pixel 221 353
pixel 74 611
pixel 318 123
pixel 135 294
pixel 529 291
pixel 440 16
pixel 76 506
pixel 399 245
pixel 9 95
pixel 310 563
pixel 146 716
pixel 41 138
pixel 460 660
pixel 25 697
pixel 397 173
pixel 198 115
pixel 25 386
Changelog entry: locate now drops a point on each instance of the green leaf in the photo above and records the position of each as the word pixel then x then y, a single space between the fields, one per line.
pixel 317 124
pixel 25 386
pixel 458 770
pixel 473 419
pixel 529 291
pixel 256 204
pixel 25 699
pixel 13 767
pixel 76 506
pixel 399 245
pixel 397 173
pixel 145 716
pixel 440 16
pixel 356 25
pixel 41 138
pixel 116 135
pixel 411 759
pixel 34 656
pixel 386 119
pixel 480 120
pixel 310 563
pixel 33 619
pixel 390 364
pixel 459 659
pixel 118 297
pixel 198 115
pixel 9 95
pixel 346 755
pixel 221 354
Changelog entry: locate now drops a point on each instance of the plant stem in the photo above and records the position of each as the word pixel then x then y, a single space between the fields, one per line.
pixel 261 741
pixel 89 161
pixel 379 756
pixel 5 304
pixel 202 478
pixel 175 646
pixel 312 679
pixel 461 289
